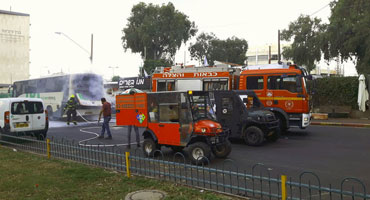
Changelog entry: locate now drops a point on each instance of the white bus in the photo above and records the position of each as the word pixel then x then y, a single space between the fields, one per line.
pixel 56 90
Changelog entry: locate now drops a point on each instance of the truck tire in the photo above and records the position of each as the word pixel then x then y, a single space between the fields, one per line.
pixel 282 124
pixel 199 153
pixel 222 150
pixel 177 148
pixel 253 136
pixel 149 147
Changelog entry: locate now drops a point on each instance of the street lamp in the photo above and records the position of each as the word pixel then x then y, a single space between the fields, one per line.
pixel 113 69
pixel 88 52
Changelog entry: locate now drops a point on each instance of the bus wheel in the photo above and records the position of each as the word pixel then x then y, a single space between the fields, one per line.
pixel 253 136
pixel 222 150
pixel 199 153
pixel 149 147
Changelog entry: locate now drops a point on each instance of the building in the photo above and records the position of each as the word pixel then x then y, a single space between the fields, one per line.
pixel 259 55
pixel 14 46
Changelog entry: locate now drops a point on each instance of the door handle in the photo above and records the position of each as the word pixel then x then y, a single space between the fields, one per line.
pixel 27 118
pixel 161 125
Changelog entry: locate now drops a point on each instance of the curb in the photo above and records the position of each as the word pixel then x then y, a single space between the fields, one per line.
pixel 341 124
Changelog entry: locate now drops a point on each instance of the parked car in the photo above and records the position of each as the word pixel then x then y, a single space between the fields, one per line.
pixel 25 115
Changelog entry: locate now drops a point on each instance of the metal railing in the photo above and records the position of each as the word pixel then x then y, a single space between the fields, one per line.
pixel 227 178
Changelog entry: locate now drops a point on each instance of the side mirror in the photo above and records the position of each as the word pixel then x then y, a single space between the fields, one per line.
pixel 309 77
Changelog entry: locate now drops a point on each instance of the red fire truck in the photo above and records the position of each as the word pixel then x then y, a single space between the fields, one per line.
pixel 282 89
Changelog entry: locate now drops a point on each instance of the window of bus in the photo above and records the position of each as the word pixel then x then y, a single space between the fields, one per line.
pixel 255 82
pixel 164 85
pixel 283 83
pixel 215 84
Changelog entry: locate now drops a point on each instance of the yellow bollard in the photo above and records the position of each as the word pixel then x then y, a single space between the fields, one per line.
pixel 48 147
pixel 283 187
pixel 128 164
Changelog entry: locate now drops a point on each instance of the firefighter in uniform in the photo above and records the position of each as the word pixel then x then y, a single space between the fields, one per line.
pixel 71 110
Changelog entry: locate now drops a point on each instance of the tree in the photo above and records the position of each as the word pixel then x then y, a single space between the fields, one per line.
pixel 156 32
pixel 307 35
pixel 200 49
pixel 150 65
pixel 115 78
pixel 348 34
pixel 230 50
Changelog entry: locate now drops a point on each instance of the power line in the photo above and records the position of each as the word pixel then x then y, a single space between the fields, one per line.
pixel 320 9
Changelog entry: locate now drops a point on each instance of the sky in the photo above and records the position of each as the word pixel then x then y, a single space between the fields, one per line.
pixel 255 21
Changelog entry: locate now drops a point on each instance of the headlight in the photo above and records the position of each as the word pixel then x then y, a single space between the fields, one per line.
pixel 204 130
pixel 305 119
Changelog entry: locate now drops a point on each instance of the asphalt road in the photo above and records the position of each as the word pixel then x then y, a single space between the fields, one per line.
pixel 333 153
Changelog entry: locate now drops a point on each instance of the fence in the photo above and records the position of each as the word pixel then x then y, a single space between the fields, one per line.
pixel 228 178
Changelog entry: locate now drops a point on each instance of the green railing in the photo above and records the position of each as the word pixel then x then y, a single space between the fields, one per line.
pixel 227 178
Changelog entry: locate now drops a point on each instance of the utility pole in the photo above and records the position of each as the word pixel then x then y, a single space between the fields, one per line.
pixel 279 55
pixel 92 45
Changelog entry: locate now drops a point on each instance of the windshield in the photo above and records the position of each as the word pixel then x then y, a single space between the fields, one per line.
pixel 88 86
pixel 202 107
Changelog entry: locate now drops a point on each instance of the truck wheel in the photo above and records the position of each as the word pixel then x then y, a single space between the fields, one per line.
pixel 199 153
pixel 282 124
pixel 253 136
pixel 149 147
pixel 177 148
pixel 222 150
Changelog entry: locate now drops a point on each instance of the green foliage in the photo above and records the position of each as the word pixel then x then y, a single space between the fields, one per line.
pixel 202 46
pixel 159 29
pixel 230 50
pixel 150 65
pixel 335 91
pixel 307 35
pixel 348 33
pixel 116 78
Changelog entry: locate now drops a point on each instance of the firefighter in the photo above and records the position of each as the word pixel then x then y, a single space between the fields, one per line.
pixel 71 110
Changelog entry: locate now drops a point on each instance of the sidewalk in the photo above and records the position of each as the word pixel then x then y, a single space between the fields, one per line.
pixel 342 122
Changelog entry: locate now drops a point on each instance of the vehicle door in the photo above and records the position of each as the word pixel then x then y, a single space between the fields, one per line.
pixel 163 109
pixel 286 92
pixel 228 111
pixel 38 115
pixel 21 117
pixel 257 84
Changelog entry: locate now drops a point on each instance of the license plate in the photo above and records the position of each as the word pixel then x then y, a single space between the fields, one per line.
pixel 21 125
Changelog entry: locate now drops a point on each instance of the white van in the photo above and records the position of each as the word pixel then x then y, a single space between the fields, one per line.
pixel 26 115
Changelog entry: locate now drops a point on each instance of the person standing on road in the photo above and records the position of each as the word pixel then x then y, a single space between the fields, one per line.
pixel 107 112
pixel 135 128
pixel 71 110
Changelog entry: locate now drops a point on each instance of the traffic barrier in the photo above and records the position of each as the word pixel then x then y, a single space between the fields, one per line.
pixel 225 178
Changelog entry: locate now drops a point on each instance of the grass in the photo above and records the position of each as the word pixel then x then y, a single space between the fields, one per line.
pixel 27 176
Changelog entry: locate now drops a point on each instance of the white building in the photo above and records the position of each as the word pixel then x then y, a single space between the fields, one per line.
pixel 14 46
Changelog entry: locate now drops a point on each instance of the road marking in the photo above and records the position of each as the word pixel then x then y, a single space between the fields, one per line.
pixel 96 135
